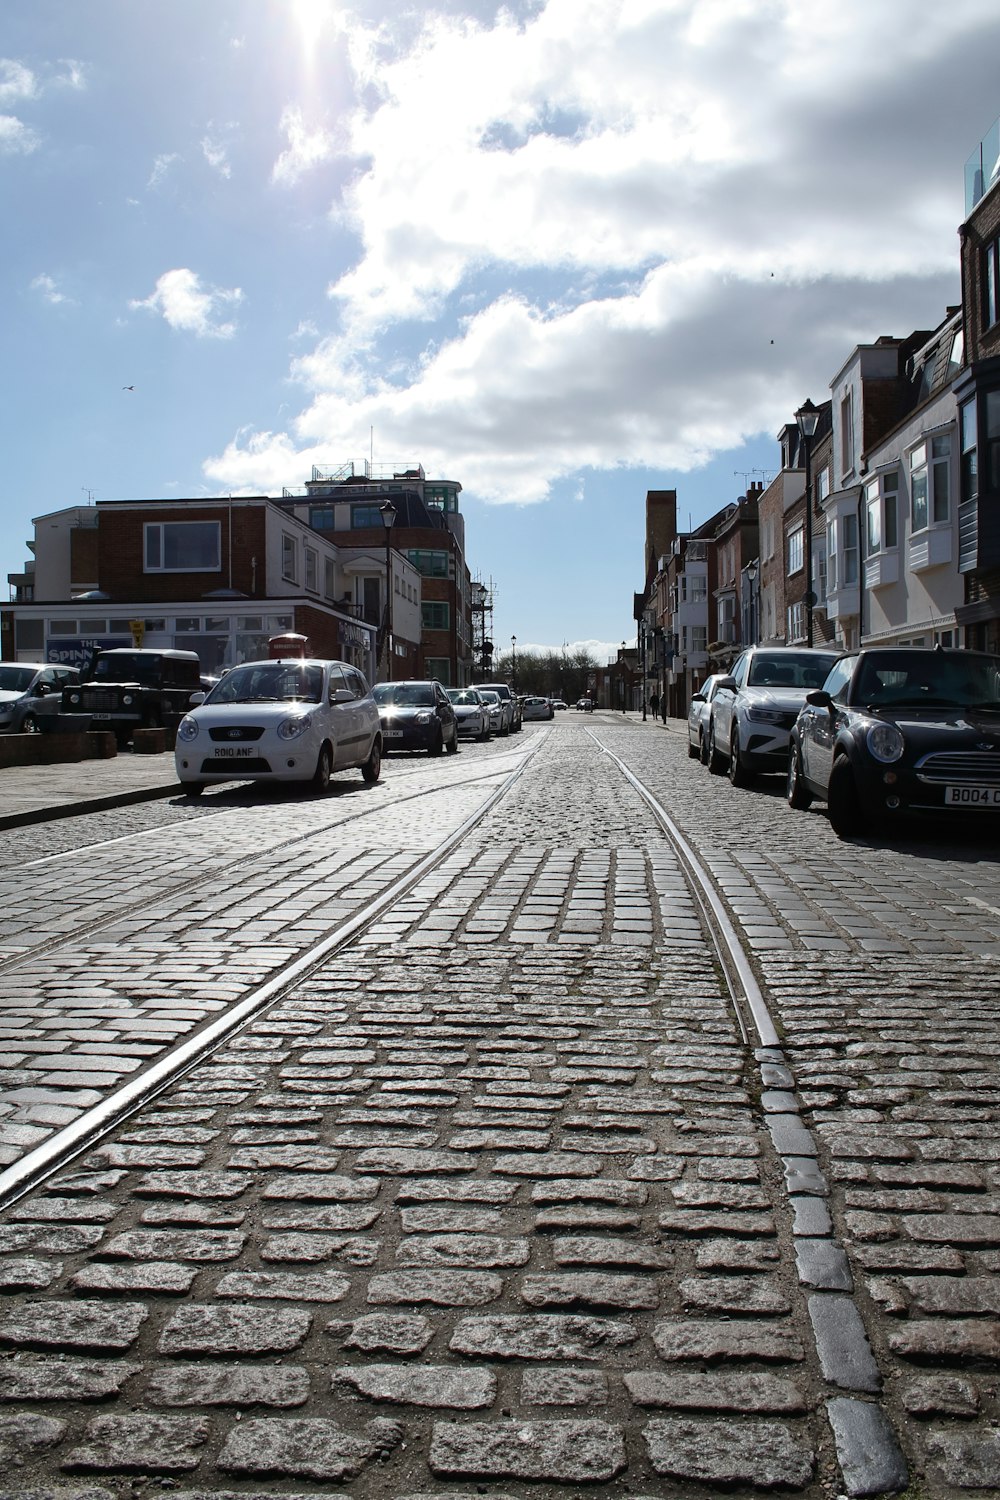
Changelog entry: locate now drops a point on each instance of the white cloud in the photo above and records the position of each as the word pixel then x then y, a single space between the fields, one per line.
pixel 627 232
pixel 48 289
pixel 190 308
pixel 72 76
pixel 16 138
pixel 305 150
pixel 217 156
pixel 161 166
pixel 16 81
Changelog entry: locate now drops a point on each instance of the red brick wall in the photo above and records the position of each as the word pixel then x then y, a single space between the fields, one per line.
pixel 120 535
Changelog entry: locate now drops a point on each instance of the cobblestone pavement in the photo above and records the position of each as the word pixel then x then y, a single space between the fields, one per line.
pixel 501 1201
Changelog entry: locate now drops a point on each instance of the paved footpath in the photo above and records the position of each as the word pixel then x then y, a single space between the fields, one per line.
pixel 502 1203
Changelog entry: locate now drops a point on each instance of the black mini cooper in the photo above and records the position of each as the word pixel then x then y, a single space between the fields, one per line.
pixel 899 731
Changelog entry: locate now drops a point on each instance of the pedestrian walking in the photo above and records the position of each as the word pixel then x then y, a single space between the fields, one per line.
pixel 654 702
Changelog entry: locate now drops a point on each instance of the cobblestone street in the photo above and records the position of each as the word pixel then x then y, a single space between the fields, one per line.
pixel 505 1197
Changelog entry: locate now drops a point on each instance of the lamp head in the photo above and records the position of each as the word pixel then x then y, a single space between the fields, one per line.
pixel 388 513
pixel 807 417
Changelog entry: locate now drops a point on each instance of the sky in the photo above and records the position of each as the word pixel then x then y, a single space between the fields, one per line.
pixel 561 251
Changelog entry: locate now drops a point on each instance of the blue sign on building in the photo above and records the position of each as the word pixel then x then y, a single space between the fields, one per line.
pixel 76 650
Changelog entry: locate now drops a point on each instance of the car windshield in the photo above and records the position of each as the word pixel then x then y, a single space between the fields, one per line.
pixel 404 694
pixel 489 695
pixel 790 669
pixel 932 679
pixel 464 695
pixel 16 679
pixel 128 666
pixel 270 682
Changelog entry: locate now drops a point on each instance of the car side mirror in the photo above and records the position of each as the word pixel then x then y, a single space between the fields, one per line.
pixel 43 689
pixel 698 698
pixel 196 698
pixel 819 699
pixel 726 682
pixel 341 695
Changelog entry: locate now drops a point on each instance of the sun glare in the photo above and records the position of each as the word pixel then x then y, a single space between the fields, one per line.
pixel 311 16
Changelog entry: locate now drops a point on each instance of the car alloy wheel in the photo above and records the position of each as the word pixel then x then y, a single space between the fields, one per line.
pixel 716 762
pixel 694 751
pixel 372 768
pixel 30 725
pixel 321 775
pixel 842 800
pixel 795 791
pixel 738 773
pixel 437 744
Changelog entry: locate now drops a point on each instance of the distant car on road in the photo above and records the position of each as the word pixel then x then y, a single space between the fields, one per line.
pixel 509 702
pixel 900 731
pixel 585 705
pixel 416 715
pixel 472 716
pixel 699 713
pixel 31 695
pixel 537 708
pixel 558 704
pixel 288 719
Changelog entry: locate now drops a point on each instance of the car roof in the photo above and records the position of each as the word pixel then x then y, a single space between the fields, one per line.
pixel 149 651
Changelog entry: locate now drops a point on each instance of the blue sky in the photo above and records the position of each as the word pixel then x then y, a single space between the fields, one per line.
pixel 562 251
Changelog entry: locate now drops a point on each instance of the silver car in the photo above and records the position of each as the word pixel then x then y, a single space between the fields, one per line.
pixel 699 715
pixel 471 713
pixel 754 708
pixel 292 719
pixel 31 695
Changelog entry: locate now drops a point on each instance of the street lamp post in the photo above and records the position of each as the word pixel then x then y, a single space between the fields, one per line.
pixel 388 513
pixel 807 417
pixel 622 675
pixel 752 571
pixel 513 664
pixel 642 661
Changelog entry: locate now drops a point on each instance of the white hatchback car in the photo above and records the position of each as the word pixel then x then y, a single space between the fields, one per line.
pixel 287 720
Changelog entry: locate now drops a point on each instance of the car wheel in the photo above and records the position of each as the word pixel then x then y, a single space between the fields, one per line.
pixel 843 802
pixel 321 775
pixel 693 750
pixel 30 725
pixel 739 775
pixel 703 748
pixel 371 770
pixel 795 791
pixel 484 737
pixel 437 745
pixel 453 742
pixel 192 788
pixel 716 761
pixel 504 731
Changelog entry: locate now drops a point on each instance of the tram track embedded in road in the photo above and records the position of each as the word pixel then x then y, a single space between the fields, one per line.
pixel 87 1130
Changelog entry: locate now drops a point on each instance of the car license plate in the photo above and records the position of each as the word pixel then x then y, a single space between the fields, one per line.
pixel 235 752
pixel 972 796
pixel 100 716
pixel 392 734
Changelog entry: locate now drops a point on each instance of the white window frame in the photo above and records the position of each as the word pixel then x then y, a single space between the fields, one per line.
pixel 154 543
pixel 311 560
pixel 796 550
pixel 289 557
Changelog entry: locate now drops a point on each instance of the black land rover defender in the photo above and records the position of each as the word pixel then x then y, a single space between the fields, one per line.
pixel 123 690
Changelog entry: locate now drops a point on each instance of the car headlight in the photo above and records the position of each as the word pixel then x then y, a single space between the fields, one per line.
pixel 74 697
pixel 885 742
pixel 187 729
pixel 765 715
pixel 127 699
pixel 291 728
pixel 425 717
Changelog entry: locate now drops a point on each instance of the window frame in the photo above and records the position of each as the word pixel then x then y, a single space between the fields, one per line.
pixel 159 530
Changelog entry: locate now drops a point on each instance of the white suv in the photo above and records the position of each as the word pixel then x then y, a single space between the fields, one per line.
pixel 509 704
pixel 286 720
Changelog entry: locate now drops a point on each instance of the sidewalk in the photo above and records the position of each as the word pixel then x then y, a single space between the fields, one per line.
pixel 34 794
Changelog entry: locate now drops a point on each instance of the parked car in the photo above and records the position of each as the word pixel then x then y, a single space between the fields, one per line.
pixel 754 707
pixel 896 732
pixel 472 716
pixel 499 723
pixel 290 719
pixel 537 708
pixel 558 704
pixel 699 715
pixel 124 689
pixel 31 695
pixel 416 716
pixel 509 702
